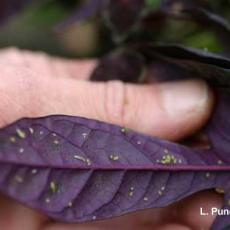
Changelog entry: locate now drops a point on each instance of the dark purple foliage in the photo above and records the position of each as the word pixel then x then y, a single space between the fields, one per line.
pixel 173 62
pixel 125 16
pixel 196 10
pixel 129 12
pixel 203 14
pixel 186 53
pixel 181 62
pixel 123 65
pixel 209 19
pixel 164 63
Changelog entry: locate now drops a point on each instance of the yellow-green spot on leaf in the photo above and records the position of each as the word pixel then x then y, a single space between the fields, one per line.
pixel 12 139
pixel 21 150
pixel 34 171
pixel 56 142
pixel 168 159
pixel 31 130
pixel 166 151
pixel 124 130
pixel 131 193
pixel 88 161
pixel 207 175
pixel 83 159
pixel 18 179
pixel 70 204
pixel 114 157
pixel 21 133
pixel 160 192
pixel 219 162
pixel 53 187
pixel 77 157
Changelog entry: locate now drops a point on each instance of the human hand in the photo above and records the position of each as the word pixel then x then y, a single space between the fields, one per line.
pixel 34 85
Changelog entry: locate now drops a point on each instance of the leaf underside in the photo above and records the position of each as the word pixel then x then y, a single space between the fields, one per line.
pixel 75 169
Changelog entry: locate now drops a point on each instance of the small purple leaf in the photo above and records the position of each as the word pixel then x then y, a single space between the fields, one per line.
pixel 199 11
pixel 186 53
pixel 173 62
pixel 123 65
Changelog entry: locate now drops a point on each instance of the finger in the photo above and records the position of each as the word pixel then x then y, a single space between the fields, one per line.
pixel 190 209
pixel 145 220
pixel 77 69
pixel 14 216
pixel 47 66
pixel 168 110
pixel 172 227
pixel 72 227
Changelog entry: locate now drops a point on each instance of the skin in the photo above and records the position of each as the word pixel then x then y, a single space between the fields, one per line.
pixel 34 84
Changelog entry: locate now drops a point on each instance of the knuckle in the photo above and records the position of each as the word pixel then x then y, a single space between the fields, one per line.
pixel 114 101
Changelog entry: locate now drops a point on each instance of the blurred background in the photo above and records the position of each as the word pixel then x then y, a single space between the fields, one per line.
pixel 33 28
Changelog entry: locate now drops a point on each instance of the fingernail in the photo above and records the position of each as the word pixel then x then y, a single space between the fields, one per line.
pixel 183 97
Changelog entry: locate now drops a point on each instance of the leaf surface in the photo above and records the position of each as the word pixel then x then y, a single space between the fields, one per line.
pixel 75 169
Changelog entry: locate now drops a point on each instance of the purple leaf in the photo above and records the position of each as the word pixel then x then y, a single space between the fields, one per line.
pixel 182 62
pixel 75 169
pixel 208 18
pixel 197 11
pixel 163 63
pixel 201 13
pixel 123 65
pixel 177 5
pixel 186 53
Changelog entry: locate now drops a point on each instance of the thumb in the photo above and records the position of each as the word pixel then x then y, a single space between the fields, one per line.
pixel 168 110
